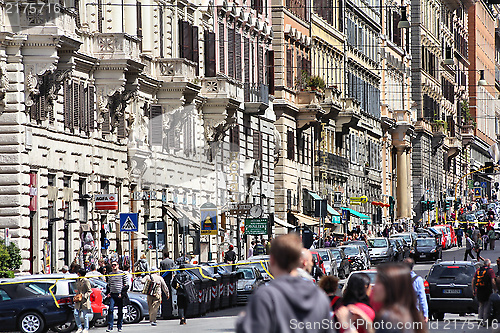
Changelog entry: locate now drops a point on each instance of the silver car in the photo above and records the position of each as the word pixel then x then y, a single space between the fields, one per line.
pixel 329 261
pixel 250 280
pixel 380 249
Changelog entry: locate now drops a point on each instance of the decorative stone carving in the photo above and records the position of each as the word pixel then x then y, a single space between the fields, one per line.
pixel 4 83
pixel 117 103
pixel 46 84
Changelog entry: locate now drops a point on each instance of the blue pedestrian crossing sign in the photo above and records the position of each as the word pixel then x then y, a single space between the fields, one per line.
pixel 129 222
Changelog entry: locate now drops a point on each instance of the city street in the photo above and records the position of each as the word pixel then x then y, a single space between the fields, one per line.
pixel 224 320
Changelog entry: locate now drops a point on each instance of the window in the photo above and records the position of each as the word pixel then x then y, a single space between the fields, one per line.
pixel 4 296
pixel 210 61
pixel 188 42
pixel 290 145
pixel 257 145
pixel 289 68
pixel 221 48
pixel 289 199
pixel 104 187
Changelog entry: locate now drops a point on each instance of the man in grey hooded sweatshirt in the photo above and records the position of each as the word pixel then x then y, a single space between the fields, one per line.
pixel 288 303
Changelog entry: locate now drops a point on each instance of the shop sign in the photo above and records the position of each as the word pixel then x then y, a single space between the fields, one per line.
pixel 106 202
pixel 256 226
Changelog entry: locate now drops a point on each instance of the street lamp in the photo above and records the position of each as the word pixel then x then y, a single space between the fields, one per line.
pixel 403 23
pixel 183 222
pixel 482 81
pixel 448 57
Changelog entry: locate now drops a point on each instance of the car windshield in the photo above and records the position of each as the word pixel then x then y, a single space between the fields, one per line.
pixel 377 243
pixel 336 254
pixel 426 242
pixel 257 265
pixel 324 255
pixel 248 273
pixel 394 242
pixel 456 273
pixel 407 238
pixel 351 250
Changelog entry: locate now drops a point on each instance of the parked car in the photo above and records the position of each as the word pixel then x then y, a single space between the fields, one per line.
pixel 428 249
pixel 361 243
pixel 449 288
pixel 410 239
pixel 343 266
pixel 372 273
pixel 380 250
pixel 250 280
pixel 317 260
pixel 261 263
pixel 65 285
pixel 329 261
pixel 29 310
pixel 400 250
pixel 357 257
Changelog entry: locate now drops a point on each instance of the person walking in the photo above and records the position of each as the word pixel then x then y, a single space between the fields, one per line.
pixel 460 234
pixel 115 289
pixel 476 233
pixel 398 313
pixel 250 249
pixel 154 291
pixel 478 247
pixel 483 284
pixel 494 302
pixel 259 249
pixel 418 286
pixel 230 255
pixel 95 273
pixel 268 247
pixel 166 263
pixel 287 301
pixel 492 237
pixel 82 302
pixel 469 245
pixel 357 299
pixel 180 284
pixel 330 284
pixel 485 240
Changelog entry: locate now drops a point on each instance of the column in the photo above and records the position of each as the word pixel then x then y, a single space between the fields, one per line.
pixel 402 182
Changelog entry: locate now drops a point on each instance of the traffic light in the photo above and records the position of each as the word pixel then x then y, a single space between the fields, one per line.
pixel 431 204
pixel 391 206
pixel 425 207
pixel 447 204
pixel 489 166
pixel 457 204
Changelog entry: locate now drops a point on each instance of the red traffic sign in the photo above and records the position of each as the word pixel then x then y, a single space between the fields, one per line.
pixel 106 202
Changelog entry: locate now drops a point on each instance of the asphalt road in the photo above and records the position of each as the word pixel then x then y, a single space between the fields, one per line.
pixel 224 320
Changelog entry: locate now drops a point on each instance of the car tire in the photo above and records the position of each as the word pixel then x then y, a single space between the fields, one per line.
pixel 438 316
pixel 64 328
pixel 31 322
pixel 133 314
pixel 100 322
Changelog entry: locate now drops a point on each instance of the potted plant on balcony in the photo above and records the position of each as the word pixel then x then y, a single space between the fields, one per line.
pixel 468 122
pixel 440 126
pixel 316 83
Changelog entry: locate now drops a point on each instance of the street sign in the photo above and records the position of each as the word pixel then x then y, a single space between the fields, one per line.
pixel 346 215
pixel 129 222
pixel 363 199
pixel 470 183
pixel 484 184
pixel 337 199
pixel 477 192
pixel 106 202
pixel 47 257
pixel 209 225
pixel 244 208
pixel 255 226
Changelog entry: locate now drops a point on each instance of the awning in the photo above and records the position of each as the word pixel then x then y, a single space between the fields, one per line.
pixel 358 215
pixel 192 220
pixel 315 196
pixel 307 220
pixel 172 213
pixel 336 217
pixel 283 223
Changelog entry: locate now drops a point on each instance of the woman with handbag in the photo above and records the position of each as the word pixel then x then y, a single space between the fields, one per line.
pixel 153 286
pixel 179 283
pixel 82 301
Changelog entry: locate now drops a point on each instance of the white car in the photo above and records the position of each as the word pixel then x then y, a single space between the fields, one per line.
pixel 329 261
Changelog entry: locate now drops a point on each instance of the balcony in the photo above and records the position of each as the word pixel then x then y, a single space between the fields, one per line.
pixel 332 103
pixel 438 133
pixel 177 70
pixel 310 110
pixel 223 97
pixel 256 98
pixel 350 115
pixel 467 132
pixel 179 85
pixel 332 162
pixel 454 146
pixel 109 46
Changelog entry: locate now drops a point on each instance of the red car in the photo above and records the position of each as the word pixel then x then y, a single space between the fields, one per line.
pixel 317 259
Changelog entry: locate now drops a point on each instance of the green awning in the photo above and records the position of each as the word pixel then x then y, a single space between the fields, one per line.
pixel 359 215
pixel 315 196
pixel 336 217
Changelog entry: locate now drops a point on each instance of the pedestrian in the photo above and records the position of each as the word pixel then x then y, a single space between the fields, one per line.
pixel 469 245
pixel 154 291
pixel 116 291
pixel 230 256
pixel 483 284
pixel 142 265
pixel 268 247
pixel 494 302
pixel 460 234
pixel 485 241
pixel 305 265
pixel 418 286
pixel 316 271
pixel 250 249
pixel 478 247
pixel 94 273
pixel 330 284
pixel 356 298
pixel 475 234
pixel 82 302
pixel 180 284
pixel 166 263
pixel 65 269
pixel 259 249
pixel 492 237
pixel 288 301
pixel 328 241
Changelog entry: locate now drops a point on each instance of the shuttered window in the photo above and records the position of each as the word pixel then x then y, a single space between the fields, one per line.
pixel 76 105
pixel 195 55
pixel 260 64
pixel 91 108
pixel 156 124
pixel 237 52
pixel 246 61
pixel 396 37
pixel 222 67
pixel 83 121
pixel 289 68
pixel 68 114
pixel 230 53
pixel 270 71
pixel 257 145
pixel 100 16
pixel 139 19
pixel 290 145
pixel 210 60
pixel 234 138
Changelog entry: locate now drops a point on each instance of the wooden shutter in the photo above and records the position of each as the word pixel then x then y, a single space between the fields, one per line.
pixel 100 17
pixel 290 145
pixel 91 108
pixel 260 64
pixel 160 14
pixel 222 67
pixel 76 104
pixel 257 145
pixel 195 48
pixel 270 71
pixel 396 32
pixel 210 61
pixel 289 68
pixel 246 58
pixel 42 108
pixel 68 122
pixel 156 124
pixel 234 138
pixel 237 51
pixel 230 53
pixel 139 19
pixel 120 131
pixel 187 40
pixel 82 106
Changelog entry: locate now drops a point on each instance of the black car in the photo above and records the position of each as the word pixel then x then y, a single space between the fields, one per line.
pixel 428 249
pixel 429 232
pixel 343 266
pixel 400 252
pixel 27 310
pixel 361 243
pixel 449 288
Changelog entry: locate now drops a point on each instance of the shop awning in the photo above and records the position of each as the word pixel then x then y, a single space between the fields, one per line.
pixel 359 215
pixel 192 220
pixel 282 223
pixel 172 213
pixel 315 196
pixel 336 217
pixel 307 220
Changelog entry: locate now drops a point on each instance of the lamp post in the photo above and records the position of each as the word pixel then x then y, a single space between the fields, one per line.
pixel 184 222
